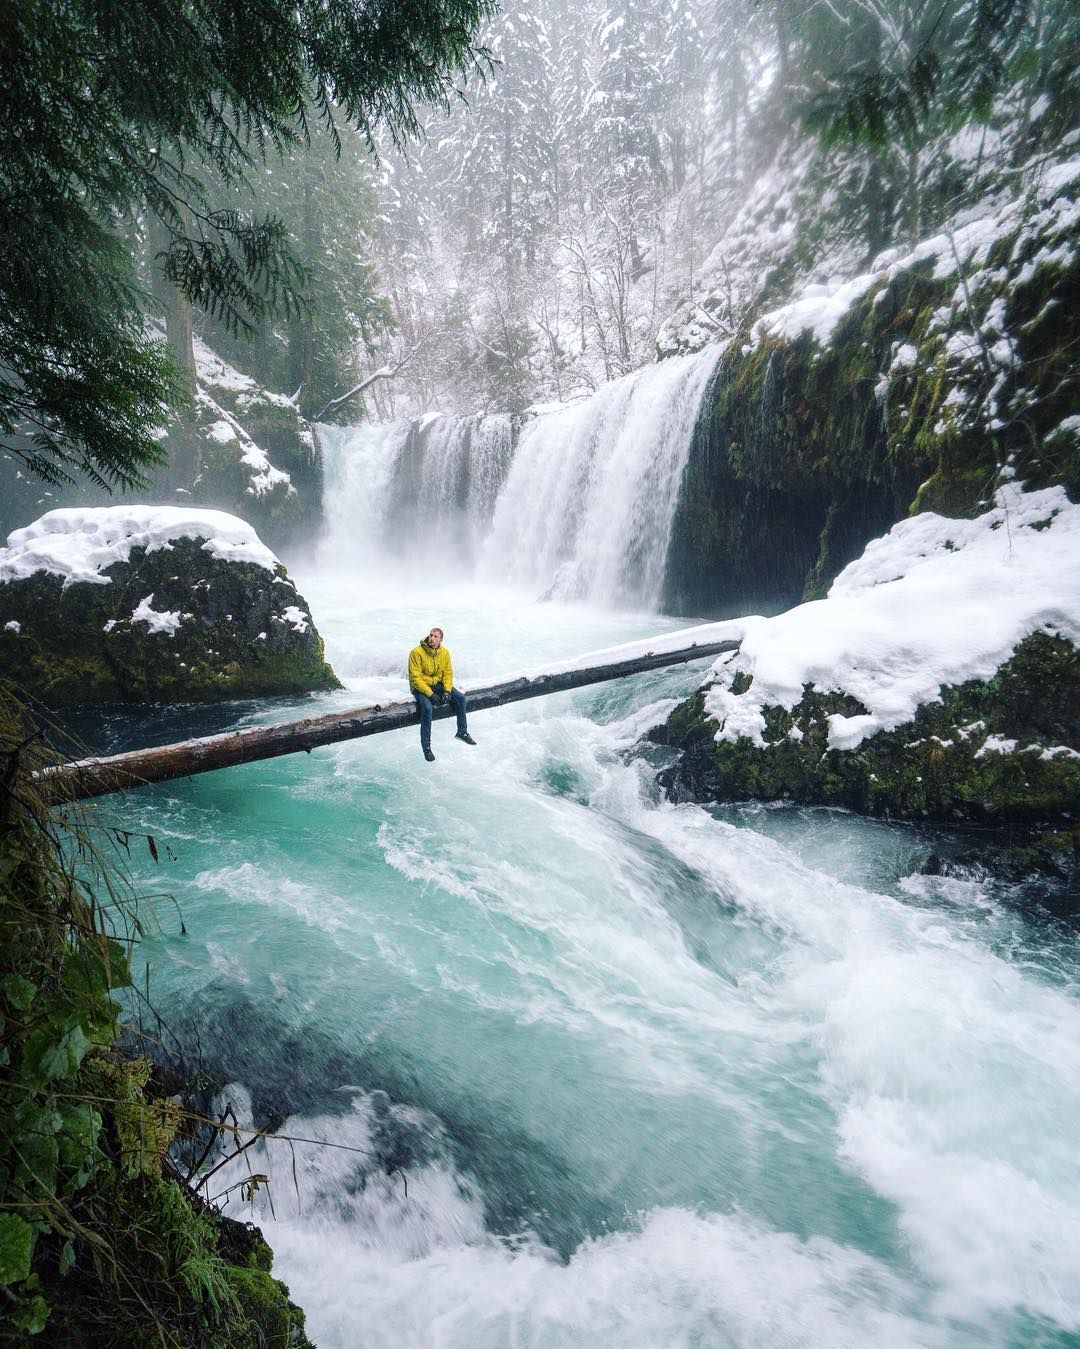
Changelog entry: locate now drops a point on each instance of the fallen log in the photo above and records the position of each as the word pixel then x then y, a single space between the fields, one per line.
pixel 99 776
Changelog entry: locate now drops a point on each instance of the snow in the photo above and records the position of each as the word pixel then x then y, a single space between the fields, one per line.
pixel 296 616
pixel 215 374
pixel 700 635
pixel 818 311
pixel 225 430
pixel 222 432
pixel 157 620
pixel 266 476
pixel 962 249
pixel 212 370
pixel 934 602
pixel 1041 105
pixel 79 542
pixel 1058 177
pixel 1060 256
pixel 996 744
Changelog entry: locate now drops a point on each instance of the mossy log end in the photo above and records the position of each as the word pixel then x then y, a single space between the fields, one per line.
pixel 97 777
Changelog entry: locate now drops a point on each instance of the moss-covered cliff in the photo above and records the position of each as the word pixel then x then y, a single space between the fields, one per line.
pixel 912 387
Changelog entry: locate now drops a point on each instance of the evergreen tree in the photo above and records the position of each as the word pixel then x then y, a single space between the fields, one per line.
pixel 322 193
pixel 626 101
pixel 106 112
pixel 626 106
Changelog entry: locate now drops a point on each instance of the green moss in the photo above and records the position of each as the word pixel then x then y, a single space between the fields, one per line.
pixel 687 720
pixel 274 1321
pixel 101 1243
pixel 144 1129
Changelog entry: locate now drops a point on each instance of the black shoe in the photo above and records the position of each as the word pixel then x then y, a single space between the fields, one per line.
pixel 429 756
pixel 466 737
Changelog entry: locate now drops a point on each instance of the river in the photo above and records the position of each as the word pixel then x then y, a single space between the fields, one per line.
pixel 600 1070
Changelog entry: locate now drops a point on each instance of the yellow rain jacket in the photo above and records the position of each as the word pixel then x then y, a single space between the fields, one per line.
pixel 429 666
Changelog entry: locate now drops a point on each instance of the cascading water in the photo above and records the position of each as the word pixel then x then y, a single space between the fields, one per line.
pixel 593 1069
pixel 446 480
pixel 580 509
pixel 588 505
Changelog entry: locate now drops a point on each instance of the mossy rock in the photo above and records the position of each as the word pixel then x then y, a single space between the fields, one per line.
pixel 803 453
pixel 242 631
pixel 1001 750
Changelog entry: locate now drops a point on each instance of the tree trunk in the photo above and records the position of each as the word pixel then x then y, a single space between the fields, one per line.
pixel 302 326
pixel 98 777
pixel 508 199
pixel 912 197
pixel 179 326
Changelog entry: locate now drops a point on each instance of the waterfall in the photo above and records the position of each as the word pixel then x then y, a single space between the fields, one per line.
pixel 358 474
pixel 575 503
pixel 587 508
pixel 446 481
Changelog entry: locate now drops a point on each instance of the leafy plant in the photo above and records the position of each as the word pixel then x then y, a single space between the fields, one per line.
pixel 102 1241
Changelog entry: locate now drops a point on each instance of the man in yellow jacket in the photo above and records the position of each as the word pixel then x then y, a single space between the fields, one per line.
pixel 431 679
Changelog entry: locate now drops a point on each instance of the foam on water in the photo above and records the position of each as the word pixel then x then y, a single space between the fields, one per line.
pixel 420 1268
pixel 651 1074
pixel 599 1070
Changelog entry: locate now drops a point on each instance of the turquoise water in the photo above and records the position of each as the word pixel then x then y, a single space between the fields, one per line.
pixel 615 1072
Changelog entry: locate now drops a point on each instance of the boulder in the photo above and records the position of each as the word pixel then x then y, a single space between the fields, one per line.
pixel 152 604
pixel 940 679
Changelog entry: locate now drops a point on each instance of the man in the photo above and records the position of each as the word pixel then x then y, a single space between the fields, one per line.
pixel 431 678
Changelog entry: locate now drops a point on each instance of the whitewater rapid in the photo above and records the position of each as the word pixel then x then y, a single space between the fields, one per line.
pixel 589 1069
pixel 620 1073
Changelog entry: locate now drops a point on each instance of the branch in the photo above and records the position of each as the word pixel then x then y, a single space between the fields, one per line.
pixel 384 372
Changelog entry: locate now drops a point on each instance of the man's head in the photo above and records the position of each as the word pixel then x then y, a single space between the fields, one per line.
pixel 434 638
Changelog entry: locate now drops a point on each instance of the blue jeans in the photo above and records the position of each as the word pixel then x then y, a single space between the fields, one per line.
pixel 423 702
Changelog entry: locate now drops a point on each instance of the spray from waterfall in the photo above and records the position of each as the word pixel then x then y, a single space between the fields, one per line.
pixel 573 504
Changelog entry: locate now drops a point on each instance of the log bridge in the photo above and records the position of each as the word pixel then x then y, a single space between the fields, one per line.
pixel 86 778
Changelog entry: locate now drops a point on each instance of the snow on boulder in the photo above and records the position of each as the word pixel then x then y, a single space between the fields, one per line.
pixel 79 543
pixel 939 677
pixel 152 604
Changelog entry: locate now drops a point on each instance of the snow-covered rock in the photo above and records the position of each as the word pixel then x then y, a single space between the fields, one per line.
pixel 939 677
pixel 152 604
pixel 935 602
